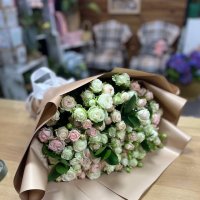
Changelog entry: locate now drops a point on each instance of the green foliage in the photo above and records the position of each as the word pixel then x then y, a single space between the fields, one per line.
pixel 107 154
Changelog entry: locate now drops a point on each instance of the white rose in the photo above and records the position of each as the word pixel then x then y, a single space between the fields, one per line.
pixel 96 86
pixel 70 175
pixel 105 101
pixel 121 125
pixel 108 89
pixel 79 145
pixel 116 116
pixel 144 116
pixel 62 133
pixel 94 175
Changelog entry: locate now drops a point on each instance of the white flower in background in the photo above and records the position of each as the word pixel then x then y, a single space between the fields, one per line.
pixel 141 103
pixel 136 154
pixel 118 150
pixel 122 80
pixel 96 85
pixel 141 155
pixel 108 89
pixel 92 102
pixel 115 143
pixel 70 175
pixel 74 161
pixel 95 139
pixel 86 96
pixel 86 162
pixel 149 95
pixel 121 135
pixel 79 155
pixel 94 175
pixel 133 162
pixel 111 109
pixel 157 141
pixel 154 135
pixel 80 114
pixel 140 137
pixel 62 133
pixel 67 153
pixel 105 101
pixel 144 116
pixel 132 137
pixel 80 145
pixel 116 116
pixel 125 96
pixel 112 131
pixel 104 138
pixel 120 126
pixel 109 168
pixel 124 161
pixel 118 167
pixel 96 114
pixel 154 106
pixel 129 129
pixel 67 103
pixel 117 99
pixel 129 146
pixel 95 146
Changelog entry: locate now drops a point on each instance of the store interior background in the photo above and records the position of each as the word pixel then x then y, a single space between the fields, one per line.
pixel 64 35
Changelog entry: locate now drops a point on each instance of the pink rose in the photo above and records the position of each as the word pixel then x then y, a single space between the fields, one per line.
pixel 56 145
pixel 149 95
pixel 87 124
pixel 132 137
pixel 135 86
pixel 86 162
pixel 45 134
pixel 156 119
pixel 142 102
pixel 81 175
pixel 74 135
pixel 86 153
pixel 108 121
pixel 95 167
pixel 68 102
pixel 92 131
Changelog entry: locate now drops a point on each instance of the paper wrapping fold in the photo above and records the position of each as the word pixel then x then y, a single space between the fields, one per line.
pixel 31 177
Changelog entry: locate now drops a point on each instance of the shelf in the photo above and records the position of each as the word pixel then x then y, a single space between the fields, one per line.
pixel 31 64
pixel 41 37
pixel 81 44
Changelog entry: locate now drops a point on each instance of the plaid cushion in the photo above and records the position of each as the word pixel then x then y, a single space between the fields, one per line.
pixel 110 37
pixel 153 31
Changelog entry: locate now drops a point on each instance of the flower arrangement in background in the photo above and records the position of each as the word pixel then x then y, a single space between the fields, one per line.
pixel 183 69
pixel 100 128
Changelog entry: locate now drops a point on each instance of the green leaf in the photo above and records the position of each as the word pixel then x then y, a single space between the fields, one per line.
pixel 53 175
pixel 134 120
pixel 145 146
pixel 130 105
pixel 99 152
pixel 61 168
pixel 112 159
pixel 107 154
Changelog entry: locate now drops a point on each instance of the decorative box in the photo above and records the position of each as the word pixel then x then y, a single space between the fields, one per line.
pixel 6 3
pixel 11 38
pixel 8 18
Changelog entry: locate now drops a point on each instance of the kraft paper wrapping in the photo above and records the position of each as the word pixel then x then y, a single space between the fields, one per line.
pixel 31 177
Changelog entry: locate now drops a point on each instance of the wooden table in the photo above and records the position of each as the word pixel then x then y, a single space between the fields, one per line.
pixel 180 181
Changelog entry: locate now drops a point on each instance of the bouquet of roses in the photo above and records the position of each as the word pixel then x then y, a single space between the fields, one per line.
pixel 111 122
pixel 109 127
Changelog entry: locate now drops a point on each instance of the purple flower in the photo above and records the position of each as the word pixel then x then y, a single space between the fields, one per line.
pixel 195 60
pixel 45 134
pixel 179 63
pixel 186 78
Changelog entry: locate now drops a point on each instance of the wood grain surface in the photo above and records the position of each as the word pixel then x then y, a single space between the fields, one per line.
pixel 181 180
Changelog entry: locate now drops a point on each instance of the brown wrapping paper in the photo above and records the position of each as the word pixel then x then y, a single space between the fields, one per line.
pixel 31 177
